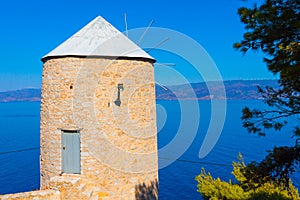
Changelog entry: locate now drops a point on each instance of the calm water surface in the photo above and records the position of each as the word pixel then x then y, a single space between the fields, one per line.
pixel 19 171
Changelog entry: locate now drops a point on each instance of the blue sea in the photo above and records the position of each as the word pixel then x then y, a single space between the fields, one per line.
pixel 19 170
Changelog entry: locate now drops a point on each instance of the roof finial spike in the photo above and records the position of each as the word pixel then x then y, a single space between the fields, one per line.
pixel 126 26
pixel 159 44
pixel 162 86
pixel 143 35
pixel 166 64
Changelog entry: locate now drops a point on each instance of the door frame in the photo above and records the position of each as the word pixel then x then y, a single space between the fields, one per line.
pixel 64 167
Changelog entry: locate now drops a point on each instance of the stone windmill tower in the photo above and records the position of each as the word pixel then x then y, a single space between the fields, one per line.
pixel 98 122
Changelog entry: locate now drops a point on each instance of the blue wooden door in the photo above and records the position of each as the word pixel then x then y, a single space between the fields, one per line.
pixel 71 152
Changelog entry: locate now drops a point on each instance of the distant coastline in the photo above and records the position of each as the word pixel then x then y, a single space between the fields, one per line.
pixel 27 94
pixel 235 90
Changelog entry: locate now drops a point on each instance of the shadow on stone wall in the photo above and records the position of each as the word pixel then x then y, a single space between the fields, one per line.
pixel 147 191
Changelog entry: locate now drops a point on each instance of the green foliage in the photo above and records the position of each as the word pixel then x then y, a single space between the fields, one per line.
pixel 246 188
pixel 274 29
pixel 277 166
pixel 216 189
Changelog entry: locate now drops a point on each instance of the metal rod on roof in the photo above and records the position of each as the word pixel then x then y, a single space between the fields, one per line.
pixel 126 26
pixel 164 87
pixel 166 64
pixel 158 45
pixel 143 35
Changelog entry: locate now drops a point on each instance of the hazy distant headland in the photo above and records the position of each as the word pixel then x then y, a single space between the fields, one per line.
pixel 235 90
pixel 28 94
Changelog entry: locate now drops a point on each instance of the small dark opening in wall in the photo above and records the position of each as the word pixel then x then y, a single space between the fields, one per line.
pixel 70 131
pixel 71 87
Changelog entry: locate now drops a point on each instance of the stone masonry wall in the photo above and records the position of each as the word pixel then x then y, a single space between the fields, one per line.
pixel 65 187
pixel 46 194
pixel 118 143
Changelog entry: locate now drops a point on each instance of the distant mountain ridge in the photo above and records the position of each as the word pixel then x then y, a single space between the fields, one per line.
pixel 235 90
pixel 28 94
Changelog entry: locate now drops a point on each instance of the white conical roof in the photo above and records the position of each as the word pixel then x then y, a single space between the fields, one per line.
pixel 99 38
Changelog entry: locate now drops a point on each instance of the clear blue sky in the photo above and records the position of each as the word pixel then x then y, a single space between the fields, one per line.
pixel 31 28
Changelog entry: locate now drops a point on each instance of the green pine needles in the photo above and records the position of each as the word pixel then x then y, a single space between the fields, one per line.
pixel 245 188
